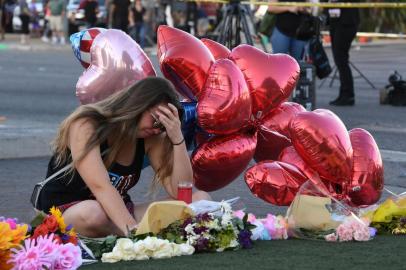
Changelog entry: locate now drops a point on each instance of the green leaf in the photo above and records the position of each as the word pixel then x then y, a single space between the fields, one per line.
pixel 38 219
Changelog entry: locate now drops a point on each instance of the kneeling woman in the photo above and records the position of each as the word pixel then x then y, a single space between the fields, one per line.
pixel 106 143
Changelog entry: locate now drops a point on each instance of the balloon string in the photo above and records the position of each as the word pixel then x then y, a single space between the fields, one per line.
pixel 393 193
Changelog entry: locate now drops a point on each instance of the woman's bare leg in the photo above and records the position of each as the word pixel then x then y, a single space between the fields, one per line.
pixel 89 219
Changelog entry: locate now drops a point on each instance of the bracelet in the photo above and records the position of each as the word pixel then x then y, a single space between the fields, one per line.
pixel 180 142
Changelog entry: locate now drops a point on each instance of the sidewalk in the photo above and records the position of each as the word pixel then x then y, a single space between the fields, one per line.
pixel 12 42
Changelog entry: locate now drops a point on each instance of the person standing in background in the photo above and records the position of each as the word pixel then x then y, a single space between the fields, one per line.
pixel 287 21
pixel 343 29
pixel 136 18
pixel 25 21
pixel 1 20
pixel 57 10
pixel 91 8
pixel 118 14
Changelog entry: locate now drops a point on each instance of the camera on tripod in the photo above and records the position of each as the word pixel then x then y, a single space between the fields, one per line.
pixel 394 93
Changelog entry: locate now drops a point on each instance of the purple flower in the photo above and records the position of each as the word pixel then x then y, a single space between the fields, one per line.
pixel 201 244
pixel 186 222
pixel 69 227
pixel 403 221
pixel 203 217
pixel 200 230
pixel 69 257
pixel 372 231
pixel 244 238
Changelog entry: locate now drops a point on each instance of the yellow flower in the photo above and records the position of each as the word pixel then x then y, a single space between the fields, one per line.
pixel 388 209
pixel 11 238
pixel 5 236
pixel 72 232
pixel 58 216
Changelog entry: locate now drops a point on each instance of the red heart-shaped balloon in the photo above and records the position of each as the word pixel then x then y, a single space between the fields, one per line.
pixel 289 155
pixel 367 170
pixel 273 133
pixel 219 161
pixel 322 140
pixel 271 78
pixel 219 51
pixel 275 182
pixel 183 59
pixel 270 144
pixel 117 62
pixel 279 119
pixel 224 103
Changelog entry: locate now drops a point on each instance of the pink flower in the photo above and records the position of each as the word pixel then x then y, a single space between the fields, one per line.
pixel 251 218
pixel 48 245
pixel 12 222
pixel 240 214
pixel 363 234
pixel 29 257
pixel 69 257
pixel 276 227
pixel 332 237
pixel 344 233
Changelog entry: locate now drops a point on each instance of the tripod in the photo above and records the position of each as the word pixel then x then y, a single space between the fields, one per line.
pixel 234 20
pixel 360 75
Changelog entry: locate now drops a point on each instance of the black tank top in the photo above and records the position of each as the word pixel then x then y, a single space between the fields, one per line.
pixel 65 189
pixel 288 22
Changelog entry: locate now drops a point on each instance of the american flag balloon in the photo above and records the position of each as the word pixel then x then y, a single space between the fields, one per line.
pixel 82 42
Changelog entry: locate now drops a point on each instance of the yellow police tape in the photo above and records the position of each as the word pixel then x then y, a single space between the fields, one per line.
pixel 304 4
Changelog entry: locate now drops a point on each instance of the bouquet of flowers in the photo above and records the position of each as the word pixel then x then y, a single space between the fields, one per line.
pixel 270 228
pixel 390 216
pixel 55 224
pixel 53 245
pixel 315 214
pixel 11 235
pixel 207 232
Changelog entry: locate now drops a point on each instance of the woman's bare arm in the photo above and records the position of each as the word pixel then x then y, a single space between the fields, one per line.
pixel 182 169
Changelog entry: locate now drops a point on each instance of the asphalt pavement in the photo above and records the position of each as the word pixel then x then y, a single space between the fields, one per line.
pixel 37 90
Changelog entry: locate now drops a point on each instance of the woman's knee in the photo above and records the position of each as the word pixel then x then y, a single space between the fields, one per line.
pixel 90 214
pixel 201 195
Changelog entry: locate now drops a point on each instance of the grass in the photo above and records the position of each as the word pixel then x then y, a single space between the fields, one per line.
pixel 384 252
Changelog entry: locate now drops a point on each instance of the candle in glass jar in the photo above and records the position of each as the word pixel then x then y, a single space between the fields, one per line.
pixel 185 192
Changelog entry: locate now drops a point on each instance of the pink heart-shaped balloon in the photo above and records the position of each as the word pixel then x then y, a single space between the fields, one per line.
pixel 275 182
pixel 367 170
pixel 219 161
pixel 271 78
pixel 219 51
pixel 224 103
pixel 322 141
pixel 117 62
pixel 184 60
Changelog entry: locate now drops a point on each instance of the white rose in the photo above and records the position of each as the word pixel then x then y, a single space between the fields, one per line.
pixel 110 257
pixel 164 251
pixel 186 249
pixel 139 247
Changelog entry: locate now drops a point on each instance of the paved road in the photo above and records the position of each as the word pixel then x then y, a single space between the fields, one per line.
pixel 37 91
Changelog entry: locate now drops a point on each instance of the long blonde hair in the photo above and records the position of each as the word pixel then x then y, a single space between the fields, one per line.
pixel 119 114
